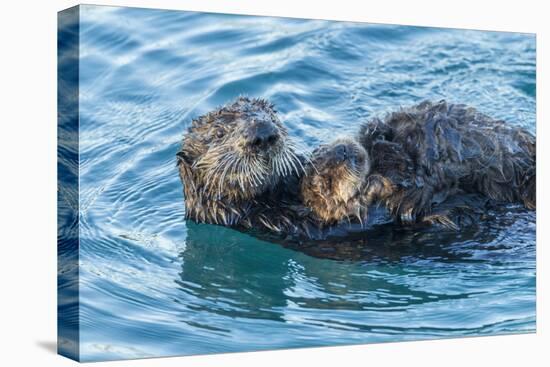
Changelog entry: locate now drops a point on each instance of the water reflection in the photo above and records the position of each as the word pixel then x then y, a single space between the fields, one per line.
pixel 215 259
pixel 213 266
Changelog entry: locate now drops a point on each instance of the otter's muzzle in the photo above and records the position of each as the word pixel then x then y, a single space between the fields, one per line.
pixel 340 153
pixel 261 134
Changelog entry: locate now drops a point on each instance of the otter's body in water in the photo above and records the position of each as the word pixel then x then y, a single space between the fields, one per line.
pixel 431 163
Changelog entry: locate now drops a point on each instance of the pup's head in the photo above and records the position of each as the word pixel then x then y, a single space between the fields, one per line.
pixel 334 179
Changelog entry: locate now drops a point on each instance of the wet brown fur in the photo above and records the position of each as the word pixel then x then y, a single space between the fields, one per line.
pixel 332 186
pixel 421 161
pixel 435 150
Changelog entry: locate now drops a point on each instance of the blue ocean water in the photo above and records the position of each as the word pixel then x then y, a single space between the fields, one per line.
pixel 152 284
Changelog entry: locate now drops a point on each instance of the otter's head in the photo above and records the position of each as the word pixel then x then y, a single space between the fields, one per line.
pixel 236 153
pixel 334 180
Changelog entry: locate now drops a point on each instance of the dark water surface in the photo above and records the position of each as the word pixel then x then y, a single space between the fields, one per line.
pixel 153 284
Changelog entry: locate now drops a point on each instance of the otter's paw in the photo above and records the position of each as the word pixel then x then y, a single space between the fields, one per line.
pixel 439 219
pixel 410 207
pixel 408 216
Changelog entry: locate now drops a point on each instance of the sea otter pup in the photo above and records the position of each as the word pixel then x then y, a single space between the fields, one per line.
pixel 444 148
pixel 240 168
pixel 344 183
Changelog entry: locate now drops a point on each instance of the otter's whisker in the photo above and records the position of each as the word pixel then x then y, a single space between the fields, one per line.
pixel 235 172
pixel 214 173
pixel 221 180
pixel 276 162
pixel 219 166
pixel 258 172
pixel 238 171
pixel 309 162
pixel 289 161
pixel 285 164
pixel 244 171
pixel 254 179
pixel 297 160
pixel 283 161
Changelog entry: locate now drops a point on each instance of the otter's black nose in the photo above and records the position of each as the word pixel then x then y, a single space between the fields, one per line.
pixel 341 152
pixel 261 134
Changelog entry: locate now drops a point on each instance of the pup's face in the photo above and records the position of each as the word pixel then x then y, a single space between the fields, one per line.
pixel 332 185
pixel 239 151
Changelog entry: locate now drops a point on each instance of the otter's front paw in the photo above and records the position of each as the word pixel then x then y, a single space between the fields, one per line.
pixel 411 205
pixel 408 216
pixel 442 220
